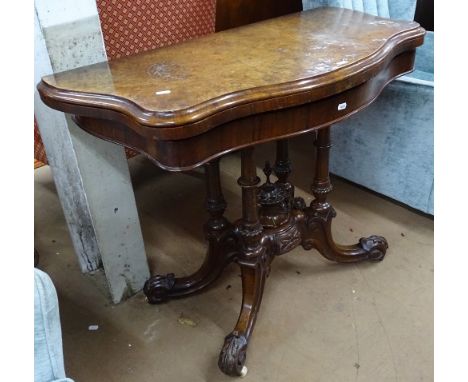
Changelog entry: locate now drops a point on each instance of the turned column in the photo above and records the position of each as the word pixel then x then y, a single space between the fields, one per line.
pixel 321 185
pixel 250 227
pixel 221 248
pixel 215 203
pixel 282 167
pixel 318 233
pixel 282 170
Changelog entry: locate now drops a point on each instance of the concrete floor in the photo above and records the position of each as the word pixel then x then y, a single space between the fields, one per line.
pixel 319 321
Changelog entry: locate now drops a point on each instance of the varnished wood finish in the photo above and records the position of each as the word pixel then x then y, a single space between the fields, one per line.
pixel 315 54
pixel 320 213
pixel 254 245
pixel 263 82
pixel 253 263
pixel 221 248
pixel 235 13
pixel 184 154
pixel 282 163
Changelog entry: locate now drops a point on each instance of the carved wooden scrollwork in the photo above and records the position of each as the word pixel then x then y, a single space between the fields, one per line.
pixel 274 222
pixel 375 245
pixel 233 354
pixel 157 288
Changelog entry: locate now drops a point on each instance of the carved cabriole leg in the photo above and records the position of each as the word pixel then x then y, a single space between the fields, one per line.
pixel 218 232
pixel 254 264
pixel 320 214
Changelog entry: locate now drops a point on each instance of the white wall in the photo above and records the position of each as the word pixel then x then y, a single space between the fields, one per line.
pixel 89 173
pixel 55 12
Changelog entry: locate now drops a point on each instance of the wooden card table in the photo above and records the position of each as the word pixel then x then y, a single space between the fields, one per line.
pixel 187 105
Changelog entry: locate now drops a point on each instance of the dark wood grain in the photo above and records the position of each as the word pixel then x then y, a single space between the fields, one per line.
pixel 221 249
pixel 184 154
pixel 312 49
pixel 262 82
pixel 235 13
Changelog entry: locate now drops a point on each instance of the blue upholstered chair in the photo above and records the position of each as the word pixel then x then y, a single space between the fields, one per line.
pixel 48 353
pixel 389 147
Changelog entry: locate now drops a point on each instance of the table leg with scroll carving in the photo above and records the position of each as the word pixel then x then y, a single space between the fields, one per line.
pixel 221 248
pixel 254 264
pixel 320 214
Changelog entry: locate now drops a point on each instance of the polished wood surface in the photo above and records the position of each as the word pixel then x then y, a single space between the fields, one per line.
pixel 188 105
pixel 273 222
pixel 235 13
pixel 290 59
pixel 199 146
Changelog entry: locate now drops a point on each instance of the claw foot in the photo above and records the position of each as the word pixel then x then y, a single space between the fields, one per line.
pixel 157 288
pixel 232 357
pixel 375 246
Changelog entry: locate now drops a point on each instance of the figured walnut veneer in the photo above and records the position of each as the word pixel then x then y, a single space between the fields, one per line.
pixel 187 89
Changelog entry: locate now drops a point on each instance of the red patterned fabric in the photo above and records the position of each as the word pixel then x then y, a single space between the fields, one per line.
pixel 39 151
pixel 134 26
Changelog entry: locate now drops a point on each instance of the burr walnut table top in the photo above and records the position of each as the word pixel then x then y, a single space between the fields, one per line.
pixel 193 80
pixel 182 91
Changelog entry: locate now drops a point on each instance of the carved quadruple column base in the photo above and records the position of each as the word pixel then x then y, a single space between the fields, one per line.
pixel 273 223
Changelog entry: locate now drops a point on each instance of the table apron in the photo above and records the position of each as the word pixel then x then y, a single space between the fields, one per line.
pixel 186 154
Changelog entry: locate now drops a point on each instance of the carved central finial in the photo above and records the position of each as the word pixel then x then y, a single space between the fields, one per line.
pixel 267 170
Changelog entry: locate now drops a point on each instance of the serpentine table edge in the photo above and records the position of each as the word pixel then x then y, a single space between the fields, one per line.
pixel 230 119
pixel 306 82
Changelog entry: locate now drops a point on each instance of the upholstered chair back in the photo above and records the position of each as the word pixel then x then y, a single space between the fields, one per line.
pixel 40 158
pixel 394 9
